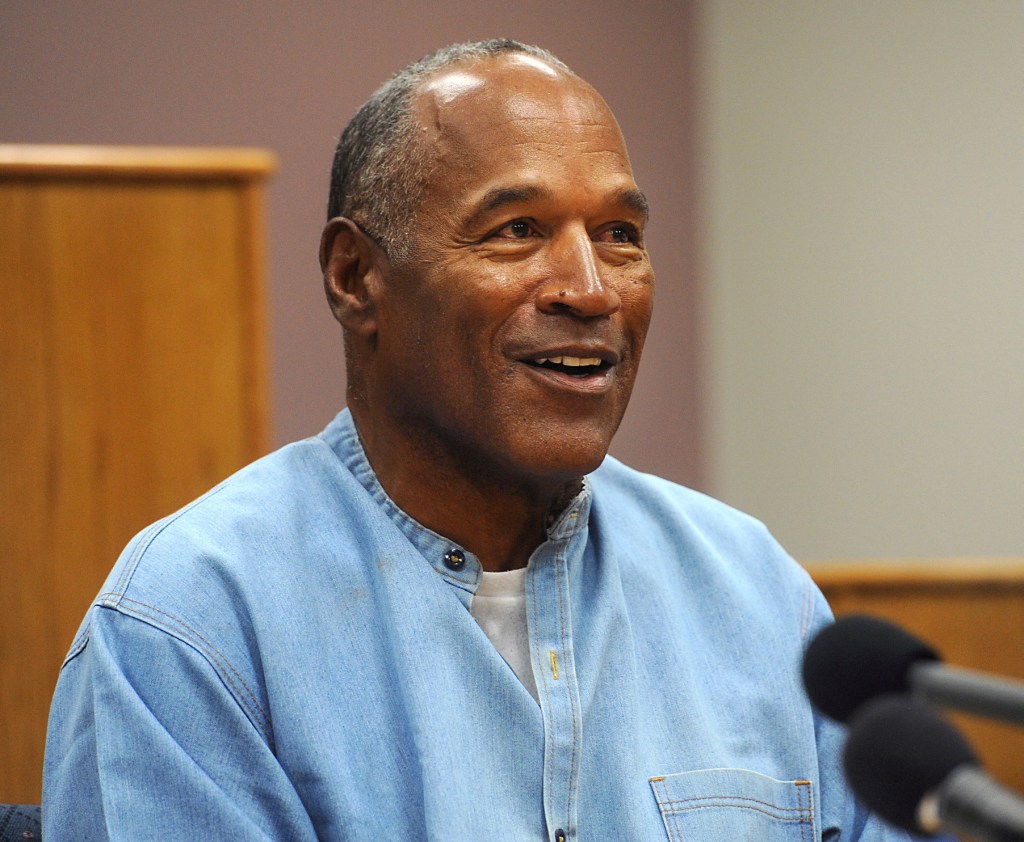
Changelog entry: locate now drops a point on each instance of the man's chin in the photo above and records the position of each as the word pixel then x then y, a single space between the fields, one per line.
pixel 564 461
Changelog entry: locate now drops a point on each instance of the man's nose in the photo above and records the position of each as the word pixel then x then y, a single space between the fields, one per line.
pixel 577 284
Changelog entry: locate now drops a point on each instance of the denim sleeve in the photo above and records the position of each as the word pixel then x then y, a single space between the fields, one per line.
pixel 146 743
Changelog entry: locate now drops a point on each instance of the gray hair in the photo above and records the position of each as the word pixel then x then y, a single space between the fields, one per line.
pixel 379 170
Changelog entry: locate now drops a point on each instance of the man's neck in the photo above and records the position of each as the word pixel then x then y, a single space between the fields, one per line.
pixel 499 518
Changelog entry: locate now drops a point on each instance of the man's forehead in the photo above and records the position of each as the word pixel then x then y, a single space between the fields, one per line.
pixel 450 83
pixel 505 89
pixel 504 125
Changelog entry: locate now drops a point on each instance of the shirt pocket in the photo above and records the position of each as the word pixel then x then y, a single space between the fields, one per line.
pixel 735 804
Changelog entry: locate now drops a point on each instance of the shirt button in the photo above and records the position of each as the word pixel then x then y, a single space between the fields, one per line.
pixel 559 835
pixel 455 559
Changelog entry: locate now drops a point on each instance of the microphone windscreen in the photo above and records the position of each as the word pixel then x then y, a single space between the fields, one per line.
pixel 858 658
pixel 898 751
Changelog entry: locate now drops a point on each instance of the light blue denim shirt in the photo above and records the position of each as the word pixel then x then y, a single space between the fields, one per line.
pixel 291 657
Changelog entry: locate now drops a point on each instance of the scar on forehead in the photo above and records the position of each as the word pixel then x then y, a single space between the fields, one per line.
pixel 451 85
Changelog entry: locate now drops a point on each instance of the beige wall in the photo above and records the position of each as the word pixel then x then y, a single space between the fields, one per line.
pixel 866 266
pixel 287 76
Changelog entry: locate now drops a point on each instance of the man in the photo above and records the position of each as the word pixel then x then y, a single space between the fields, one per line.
pixel 450 616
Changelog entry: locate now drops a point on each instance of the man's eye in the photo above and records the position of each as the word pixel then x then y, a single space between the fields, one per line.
pixel 516 230
pixel 620 233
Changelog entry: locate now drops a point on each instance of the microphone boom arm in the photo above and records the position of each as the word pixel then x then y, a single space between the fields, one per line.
pixel 968 691
pixel 969 802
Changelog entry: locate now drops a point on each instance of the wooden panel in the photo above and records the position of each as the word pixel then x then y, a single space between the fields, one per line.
pixel 134 162
pixel 132 378
pixel 970 610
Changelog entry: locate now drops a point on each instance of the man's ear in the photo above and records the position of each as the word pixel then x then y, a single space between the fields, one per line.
pixel 350 263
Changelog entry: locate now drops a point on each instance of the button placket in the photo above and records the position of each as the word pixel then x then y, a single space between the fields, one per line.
pixel 548 601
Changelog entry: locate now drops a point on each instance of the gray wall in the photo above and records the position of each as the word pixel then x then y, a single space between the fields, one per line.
pixel 866 244
pixel 287 76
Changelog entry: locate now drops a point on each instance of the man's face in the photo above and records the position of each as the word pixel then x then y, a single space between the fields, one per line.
pixel 510 340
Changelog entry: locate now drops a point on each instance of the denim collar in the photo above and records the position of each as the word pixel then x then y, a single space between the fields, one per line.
pixel 343 438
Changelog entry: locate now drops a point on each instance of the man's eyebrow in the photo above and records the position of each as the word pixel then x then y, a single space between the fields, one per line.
pixel 498 197
pixel 634 198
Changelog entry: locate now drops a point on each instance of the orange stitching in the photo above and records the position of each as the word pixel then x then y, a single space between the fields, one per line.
pixel 804 788
pixel 800 818
pixel 799 795
pixel 734 798
pixel 666 814
pixel 670 807
pixel 810 797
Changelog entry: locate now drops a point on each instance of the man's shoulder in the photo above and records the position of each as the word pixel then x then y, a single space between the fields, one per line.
pixel 255 502
pixel 654 499
pixel 680 532
pixel 242 558
pixel 272 525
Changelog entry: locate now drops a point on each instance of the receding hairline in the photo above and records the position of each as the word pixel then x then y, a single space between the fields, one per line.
pixel 429 103
pixel 383 156
pixel 427 109
pixel 426 101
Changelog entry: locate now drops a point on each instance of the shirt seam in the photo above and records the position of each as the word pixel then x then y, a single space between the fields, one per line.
pixel 145 541
pixel 178 629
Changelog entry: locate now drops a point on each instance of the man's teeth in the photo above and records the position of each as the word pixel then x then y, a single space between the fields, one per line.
pixel 572 362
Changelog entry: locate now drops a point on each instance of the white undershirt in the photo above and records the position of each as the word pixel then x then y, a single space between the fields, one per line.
pixel 499 607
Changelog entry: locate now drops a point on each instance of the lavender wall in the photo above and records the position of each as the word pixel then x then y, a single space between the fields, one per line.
pixel 288 76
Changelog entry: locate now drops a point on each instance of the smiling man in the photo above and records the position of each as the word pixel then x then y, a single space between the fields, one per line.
pixel 451 615
pixel 493 346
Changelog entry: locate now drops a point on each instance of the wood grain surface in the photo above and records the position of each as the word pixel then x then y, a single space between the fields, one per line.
pixel 133 377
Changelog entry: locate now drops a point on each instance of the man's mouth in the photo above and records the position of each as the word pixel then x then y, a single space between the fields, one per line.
pixel 573 366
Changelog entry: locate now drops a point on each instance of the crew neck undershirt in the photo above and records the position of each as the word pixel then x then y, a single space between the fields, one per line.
pixel 499 607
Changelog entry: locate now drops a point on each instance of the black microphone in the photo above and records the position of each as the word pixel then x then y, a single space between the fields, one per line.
pixel 912 768
pixel 860 657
